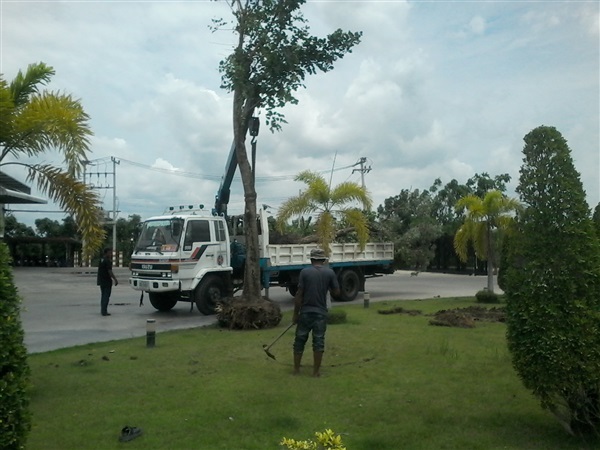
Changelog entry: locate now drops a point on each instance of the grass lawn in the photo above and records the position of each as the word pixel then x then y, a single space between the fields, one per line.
pixel 389 382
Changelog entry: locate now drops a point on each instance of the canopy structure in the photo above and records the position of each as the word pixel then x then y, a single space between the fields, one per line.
pixel 13 191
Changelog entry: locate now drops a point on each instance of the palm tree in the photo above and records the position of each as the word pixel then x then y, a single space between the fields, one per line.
pixel 33 122
pixel 328 204
pixel 483 217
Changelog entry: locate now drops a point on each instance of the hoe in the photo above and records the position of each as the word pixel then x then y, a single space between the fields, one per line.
pixel 267 347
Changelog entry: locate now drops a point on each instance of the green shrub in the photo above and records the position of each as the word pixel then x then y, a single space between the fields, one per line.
pixel 14 370
pixel 552 286
pixel 336 316
pixel 485 296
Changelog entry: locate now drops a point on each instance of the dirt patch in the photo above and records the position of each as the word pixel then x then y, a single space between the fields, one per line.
pixel 459 317
pixel 467 317
pixel 400 310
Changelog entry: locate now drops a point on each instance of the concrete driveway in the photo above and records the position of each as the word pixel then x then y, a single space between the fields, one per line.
pixel 61 306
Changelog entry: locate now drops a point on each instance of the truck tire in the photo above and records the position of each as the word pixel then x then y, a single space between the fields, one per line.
pixel 208 293
pixel 349 285
pixel 162 301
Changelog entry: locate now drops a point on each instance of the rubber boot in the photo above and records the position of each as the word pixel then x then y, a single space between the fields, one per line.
pixel 317 358
pixel 297 361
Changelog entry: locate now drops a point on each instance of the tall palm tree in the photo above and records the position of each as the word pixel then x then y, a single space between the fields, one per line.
pixel 35 121
pixel 328 204
pixel 483 218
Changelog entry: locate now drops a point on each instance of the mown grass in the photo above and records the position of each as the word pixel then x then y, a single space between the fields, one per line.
pixel 389 382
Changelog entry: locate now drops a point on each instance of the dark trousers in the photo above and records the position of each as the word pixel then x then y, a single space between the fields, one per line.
pixel 105 298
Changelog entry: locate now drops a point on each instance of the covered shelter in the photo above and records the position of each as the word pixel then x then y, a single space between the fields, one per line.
pixel 12 191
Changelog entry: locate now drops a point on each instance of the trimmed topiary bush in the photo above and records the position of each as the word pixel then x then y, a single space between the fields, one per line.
pixel 15 421
pixel 552 286
pixel 485 296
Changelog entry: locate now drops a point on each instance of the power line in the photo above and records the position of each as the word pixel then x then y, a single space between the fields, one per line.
pixel 201 176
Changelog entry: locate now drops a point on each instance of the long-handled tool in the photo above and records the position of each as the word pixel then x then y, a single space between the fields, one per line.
pixel 267 347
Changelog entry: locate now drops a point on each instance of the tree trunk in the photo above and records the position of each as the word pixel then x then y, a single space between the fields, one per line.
pixel 242 114
pixel 490 259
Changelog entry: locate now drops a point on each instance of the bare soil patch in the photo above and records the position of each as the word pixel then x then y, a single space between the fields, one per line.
pixel 458 317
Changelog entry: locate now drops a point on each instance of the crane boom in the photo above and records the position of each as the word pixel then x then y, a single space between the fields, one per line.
pixel 222 197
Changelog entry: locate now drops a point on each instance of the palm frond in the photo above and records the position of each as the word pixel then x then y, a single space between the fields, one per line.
pixel 75 198
pixel 25 85
pixel 317 187
pixel 472 204
pixel 7 111
pixel 325 228
pixel 295 206
pixel 359 222
pixel 462 238
pixel 53 121
pixel 351 192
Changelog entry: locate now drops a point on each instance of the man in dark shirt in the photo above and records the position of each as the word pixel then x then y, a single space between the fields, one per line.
pixel 310 308
pixel 105 279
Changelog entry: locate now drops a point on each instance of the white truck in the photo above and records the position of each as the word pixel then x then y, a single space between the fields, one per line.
pixel 192 255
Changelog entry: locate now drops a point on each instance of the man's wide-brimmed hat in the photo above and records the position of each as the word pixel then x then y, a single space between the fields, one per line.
pixel 318 254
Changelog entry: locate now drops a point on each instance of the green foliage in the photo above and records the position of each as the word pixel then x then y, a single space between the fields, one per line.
pixel 275 54
pixel 552 286
pixel 14 228
pixel 14 370
pixel 326 440
pixel 444 200
pixel 329 205
pixel 408 219
pixel 35 121
pixel 485 296
pixel 596 219
pixel 485 218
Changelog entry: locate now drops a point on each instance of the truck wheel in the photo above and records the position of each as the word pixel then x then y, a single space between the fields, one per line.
pixel 349 285
pixel 210 291
pixel 293 288
pixel 163 302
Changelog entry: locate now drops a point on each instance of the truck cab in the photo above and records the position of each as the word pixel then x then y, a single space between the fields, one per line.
pixel 184 255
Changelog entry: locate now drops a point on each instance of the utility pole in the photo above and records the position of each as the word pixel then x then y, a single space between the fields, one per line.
pixel 112 220
pixel 363 169
pixel 114 215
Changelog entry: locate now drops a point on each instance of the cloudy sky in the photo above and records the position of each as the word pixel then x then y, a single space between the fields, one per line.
pixel 436 89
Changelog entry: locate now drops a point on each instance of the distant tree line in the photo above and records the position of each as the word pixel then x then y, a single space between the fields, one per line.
pixel 52 253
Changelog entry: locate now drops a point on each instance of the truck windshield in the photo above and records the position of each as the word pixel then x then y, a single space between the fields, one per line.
pixel 160 235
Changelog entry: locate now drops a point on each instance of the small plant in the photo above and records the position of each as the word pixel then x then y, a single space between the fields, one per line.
pixel 486 296
pixel 327 440
pixel 336 316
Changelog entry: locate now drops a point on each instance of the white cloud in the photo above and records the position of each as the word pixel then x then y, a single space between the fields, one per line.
pixel 477 25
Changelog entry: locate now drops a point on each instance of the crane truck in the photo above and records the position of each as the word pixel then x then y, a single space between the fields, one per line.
pixel 189 254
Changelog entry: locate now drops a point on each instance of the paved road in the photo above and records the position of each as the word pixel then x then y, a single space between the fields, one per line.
pixel 61 306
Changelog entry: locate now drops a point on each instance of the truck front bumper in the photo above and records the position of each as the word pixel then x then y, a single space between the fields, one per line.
pixel 154 285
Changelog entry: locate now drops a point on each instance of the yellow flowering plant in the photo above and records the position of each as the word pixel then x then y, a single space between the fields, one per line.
pixel 327 440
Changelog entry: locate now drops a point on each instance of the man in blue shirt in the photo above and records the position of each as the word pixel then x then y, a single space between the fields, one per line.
pixel 310 308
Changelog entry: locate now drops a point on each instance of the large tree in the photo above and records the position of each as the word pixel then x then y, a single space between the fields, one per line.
pixel 35 121
pixel 273 55
pixel 408 218
pixel 484 218
pixel 329 205
pixel 552 285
